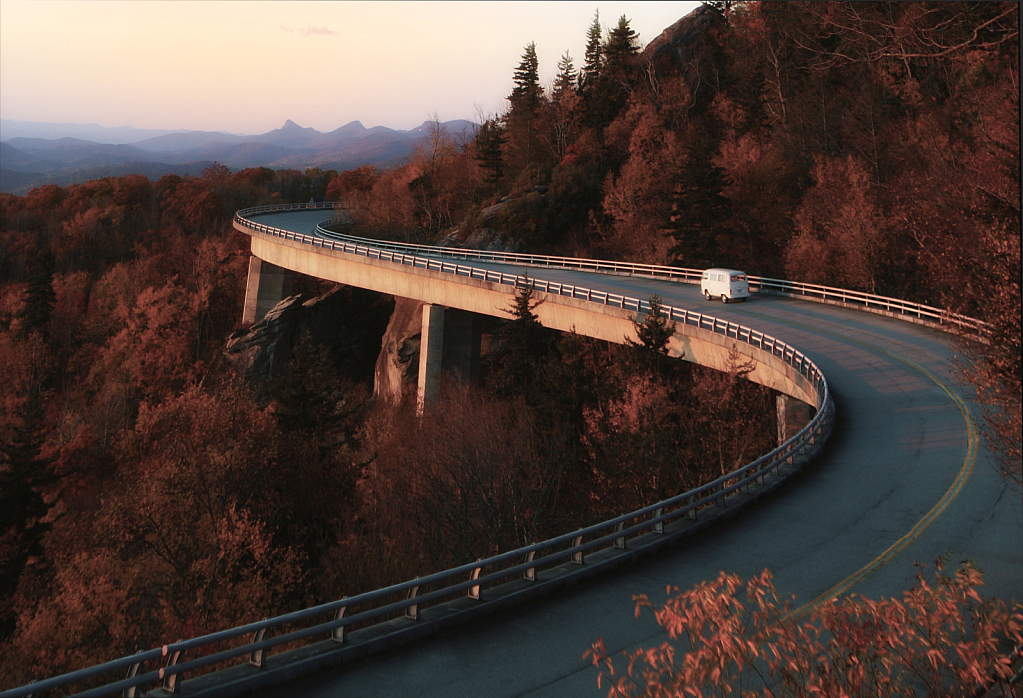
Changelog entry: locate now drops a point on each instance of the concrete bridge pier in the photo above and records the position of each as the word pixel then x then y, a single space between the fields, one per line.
pixel 782 405
pixel 450 344
pixel 267 285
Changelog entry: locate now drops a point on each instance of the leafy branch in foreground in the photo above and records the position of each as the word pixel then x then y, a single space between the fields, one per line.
pixel 940 639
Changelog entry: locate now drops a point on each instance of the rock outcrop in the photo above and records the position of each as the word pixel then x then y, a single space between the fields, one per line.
pixel 397 366
pixel 348 321
pixel 679 44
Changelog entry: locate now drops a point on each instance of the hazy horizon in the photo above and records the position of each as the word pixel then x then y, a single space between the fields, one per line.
pixel 121 127
pixel 247 67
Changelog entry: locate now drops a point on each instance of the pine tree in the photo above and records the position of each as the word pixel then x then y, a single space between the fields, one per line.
pixel 700 210
pixel 526 94
pixel 608 90
pixel 39 296
pixel 313 398
pixel 592 58
pixel 523 114
pixel 621 47
pixel 655 330
pixel 23 472
pixel 489 139
pixel 525 344
pixel 566 79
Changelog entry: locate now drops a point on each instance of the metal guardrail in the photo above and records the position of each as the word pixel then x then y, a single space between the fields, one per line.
pixel 866 301
pixel 331 619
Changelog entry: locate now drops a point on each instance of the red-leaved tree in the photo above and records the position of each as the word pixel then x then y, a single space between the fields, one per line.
pixel 727 637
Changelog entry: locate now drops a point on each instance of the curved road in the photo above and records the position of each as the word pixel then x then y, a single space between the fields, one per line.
pixel 904 478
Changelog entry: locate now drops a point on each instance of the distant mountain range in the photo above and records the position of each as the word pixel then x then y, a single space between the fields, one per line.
pixel 33 154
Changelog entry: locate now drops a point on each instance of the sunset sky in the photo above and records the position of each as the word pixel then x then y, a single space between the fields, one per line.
pixel 245 67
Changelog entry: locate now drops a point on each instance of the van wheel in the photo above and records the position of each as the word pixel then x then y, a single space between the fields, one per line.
pixel 706 295
pixel 724 298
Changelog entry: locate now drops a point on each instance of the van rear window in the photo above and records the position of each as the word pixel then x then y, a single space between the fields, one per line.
pixel 738 277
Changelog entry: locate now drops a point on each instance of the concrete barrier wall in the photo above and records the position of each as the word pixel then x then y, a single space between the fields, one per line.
pixel 557 312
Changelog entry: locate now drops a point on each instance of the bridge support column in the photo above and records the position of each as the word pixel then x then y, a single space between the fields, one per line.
pixel 782 403
pixel 793 415
pixel 267 286
pixel 450 344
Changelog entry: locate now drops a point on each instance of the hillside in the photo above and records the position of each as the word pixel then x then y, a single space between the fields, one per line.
pixel 873 147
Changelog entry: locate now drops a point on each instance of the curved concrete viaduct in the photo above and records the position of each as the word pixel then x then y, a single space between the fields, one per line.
pixel 904 479
pixel 485 297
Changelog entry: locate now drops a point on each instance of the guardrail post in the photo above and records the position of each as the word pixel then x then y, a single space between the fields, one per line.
pixel 474 591
pixel 620 540
pixel 258 657
pixel 659 526
pixel 530 573
pixel 577 556
pixel 338 633
pixel 171 684
pixel 412 612
pixel 133 671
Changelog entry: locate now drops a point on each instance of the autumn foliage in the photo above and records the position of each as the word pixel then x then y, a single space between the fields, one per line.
pixel 727 637
pixel 147 493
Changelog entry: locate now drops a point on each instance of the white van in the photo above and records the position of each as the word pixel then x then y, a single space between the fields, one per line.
pixel 726 284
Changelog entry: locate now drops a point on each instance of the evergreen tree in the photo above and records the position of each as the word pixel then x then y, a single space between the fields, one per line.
pixel 313 398
pixel 592 57
pixel 489 139
pixel 525 95
pixel 566 79
pixel 525 344
pixel 525 99
pixel 700 210
pixel 621 47
pixel 655 330
pixel 23 472
pixel 608 91
pixel 39 296
pixel 751 98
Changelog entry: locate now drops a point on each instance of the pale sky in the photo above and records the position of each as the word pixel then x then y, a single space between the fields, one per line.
pixel 245 67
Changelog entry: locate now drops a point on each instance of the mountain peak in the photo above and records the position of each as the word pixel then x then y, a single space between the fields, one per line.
pixel 291 126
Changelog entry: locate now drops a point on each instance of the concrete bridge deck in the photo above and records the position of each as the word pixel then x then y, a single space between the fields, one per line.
pixel 904 478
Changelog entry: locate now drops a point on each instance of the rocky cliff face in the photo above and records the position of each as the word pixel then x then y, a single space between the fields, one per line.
pixel 680 43
pixel 397 366
pixel 369 335
pixel 349 322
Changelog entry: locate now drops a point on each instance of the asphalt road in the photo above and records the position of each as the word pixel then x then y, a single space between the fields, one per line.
pixel 905 478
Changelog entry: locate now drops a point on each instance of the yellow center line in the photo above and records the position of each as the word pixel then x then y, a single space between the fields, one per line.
pixel 957 485
pixel 921 525
pixel 914 533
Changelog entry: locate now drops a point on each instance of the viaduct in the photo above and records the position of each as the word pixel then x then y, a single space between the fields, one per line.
pixel 890 471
